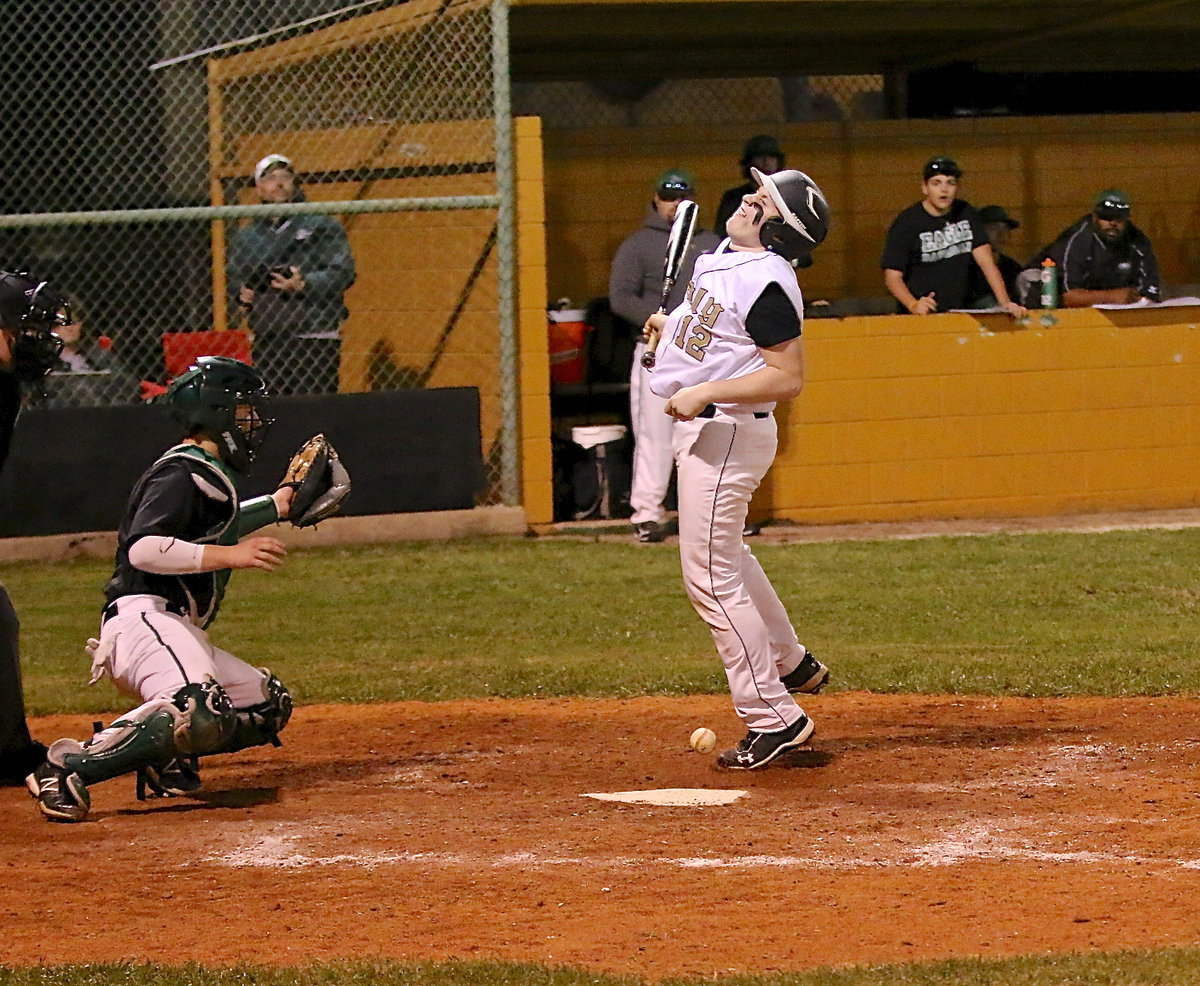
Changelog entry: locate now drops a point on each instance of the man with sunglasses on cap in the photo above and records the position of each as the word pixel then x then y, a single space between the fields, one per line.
pixel 1102 258
pixel 634 289
pixel 288 275
pixel 933 245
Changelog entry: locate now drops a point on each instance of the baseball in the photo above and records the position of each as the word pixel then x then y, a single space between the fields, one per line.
pixel 703 740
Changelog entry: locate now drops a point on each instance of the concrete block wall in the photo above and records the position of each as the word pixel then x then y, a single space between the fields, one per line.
pixel 959 416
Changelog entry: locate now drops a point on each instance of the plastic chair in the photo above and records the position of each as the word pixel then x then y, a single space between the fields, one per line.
pixel 180 349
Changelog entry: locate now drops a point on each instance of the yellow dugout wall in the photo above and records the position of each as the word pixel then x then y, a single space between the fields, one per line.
pixel 1044 171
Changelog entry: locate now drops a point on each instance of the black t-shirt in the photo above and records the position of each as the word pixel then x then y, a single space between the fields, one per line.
pixel 186 496
pixel 10 406
pixel 933 253
pixel 979 292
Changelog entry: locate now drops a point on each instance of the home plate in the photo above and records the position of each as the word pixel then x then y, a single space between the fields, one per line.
pixel 677 796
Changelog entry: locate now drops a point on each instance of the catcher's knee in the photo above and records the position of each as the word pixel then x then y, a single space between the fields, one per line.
pixel 207 721
pixel 260 724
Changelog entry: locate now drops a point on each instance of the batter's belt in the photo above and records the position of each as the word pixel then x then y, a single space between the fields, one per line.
pixel 711 412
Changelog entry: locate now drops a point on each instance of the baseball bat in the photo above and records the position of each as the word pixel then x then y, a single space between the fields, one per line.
pixel 678 242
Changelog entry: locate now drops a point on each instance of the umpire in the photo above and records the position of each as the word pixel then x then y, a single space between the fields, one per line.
pixel 29 312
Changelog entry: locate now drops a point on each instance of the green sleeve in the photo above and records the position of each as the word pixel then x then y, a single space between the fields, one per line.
pixel 256 513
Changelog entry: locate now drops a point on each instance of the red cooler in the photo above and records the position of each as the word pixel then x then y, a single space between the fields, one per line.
pixel 568 335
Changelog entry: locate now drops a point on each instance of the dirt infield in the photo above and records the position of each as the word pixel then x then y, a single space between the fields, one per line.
pixel 916 828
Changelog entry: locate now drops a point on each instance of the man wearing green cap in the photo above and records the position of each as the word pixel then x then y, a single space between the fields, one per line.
pixel 634 289
pixel 1102 258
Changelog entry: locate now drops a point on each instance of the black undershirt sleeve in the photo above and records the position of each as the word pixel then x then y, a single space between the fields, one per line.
pixel 772 319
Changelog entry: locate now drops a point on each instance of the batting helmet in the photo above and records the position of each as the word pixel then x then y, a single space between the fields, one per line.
pixel 31 310
pixel 803 220
pixel 209 398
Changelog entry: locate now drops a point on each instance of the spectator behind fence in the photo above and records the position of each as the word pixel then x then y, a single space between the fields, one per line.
pixel 88 373
pixel 927 257
pixel 288 274
pixel 762 152
pixel 999 225
pixel 634 291
pixel 1102 258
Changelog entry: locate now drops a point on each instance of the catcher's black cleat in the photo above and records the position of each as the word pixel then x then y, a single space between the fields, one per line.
pixel 61 794
pixel 808 677
pixel 759 749
pixel 181 776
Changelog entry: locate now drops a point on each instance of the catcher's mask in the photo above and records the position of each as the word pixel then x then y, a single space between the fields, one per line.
pixel 225 399
pixel 30 311
pixel 803 220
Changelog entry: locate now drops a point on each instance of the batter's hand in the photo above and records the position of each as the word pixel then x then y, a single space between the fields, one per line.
pixel 653 324
pixel 924 306
pixel 256 552
pixel 685 404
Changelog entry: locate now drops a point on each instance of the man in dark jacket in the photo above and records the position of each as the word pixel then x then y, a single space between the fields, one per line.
pixel 30 310
pixel 634 289
pixel 288 273
pixel 1102 258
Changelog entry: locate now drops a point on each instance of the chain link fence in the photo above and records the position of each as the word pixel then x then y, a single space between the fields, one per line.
pixel 130 184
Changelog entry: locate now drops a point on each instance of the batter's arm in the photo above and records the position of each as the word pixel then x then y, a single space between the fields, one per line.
pixel 782 379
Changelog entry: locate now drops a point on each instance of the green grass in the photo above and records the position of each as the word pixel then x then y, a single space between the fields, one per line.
pixel 1172 967
pixel 1044 614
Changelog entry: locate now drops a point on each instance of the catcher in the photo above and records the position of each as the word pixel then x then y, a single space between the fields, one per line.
pixel 183 532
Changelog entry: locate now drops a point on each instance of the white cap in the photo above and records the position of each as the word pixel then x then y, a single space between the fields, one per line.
pixel 269 162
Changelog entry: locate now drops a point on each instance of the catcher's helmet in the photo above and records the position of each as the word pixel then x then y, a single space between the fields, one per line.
pixel 31 310
pixel 208 397
pixel 803 220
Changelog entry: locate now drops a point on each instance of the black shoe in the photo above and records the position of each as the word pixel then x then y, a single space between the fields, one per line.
pixel 751 529
pixel 16 766
pixel 807 677
pixel 759 749
pixel 648 532
pixel 181 776
pixel 61 794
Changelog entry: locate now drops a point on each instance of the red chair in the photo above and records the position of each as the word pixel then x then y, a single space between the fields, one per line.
pixel 180 349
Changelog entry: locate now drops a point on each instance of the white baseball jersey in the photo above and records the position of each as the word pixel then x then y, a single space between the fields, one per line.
pixel 705 338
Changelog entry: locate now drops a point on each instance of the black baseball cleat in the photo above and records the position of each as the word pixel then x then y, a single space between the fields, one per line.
pixel 648 532
pixel 759 749
pixel 179 777
pixel 61 794
pixel 808 677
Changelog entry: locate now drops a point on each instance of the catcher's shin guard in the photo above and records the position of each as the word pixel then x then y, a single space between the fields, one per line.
pixel 262 723
pixel 207 721
pixel 146 736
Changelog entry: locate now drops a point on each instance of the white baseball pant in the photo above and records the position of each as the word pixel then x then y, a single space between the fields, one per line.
pixel 652 454
pixel 721 461
pixel 152 653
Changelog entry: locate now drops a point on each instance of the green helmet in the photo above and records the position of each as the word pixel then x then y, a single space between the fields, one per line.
pixel 207 397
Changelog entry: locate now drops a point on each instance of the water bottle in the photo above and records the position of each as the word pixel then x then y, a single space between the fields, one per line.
pixel 1049 279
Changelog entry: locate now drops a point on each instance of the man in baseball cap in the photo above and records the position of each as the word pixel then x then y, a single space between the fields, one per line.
pixel 933 247
pixel 1102 258
pixel 762 151
pixel 999 226
pixel 634 291
pixel 270 163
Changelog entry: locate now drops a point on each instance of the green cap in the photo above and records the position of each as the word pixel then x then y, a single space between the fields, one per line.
pixel 674 183
pixel 1112 203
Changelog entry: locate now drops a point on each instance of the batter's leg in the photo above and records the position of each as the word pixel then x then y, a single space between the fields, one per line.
pixel 653 458
pixel 720 465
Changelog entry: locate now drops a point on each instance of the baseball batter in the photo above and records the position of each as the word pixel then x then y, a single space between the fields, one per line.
pixel 725 357
pixel 176 546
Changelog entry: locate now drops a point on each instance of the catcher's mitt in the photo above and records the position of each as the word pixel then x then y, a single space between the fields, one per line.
pixel 320 480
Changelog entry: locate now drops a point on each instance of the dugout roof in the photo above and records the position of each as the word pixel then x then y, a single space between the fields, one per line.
pixel 606 39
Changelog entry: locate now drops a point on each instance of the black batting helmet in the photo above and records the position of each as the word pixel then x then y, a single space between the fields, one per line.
pixel 803 220
pixel 30 310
